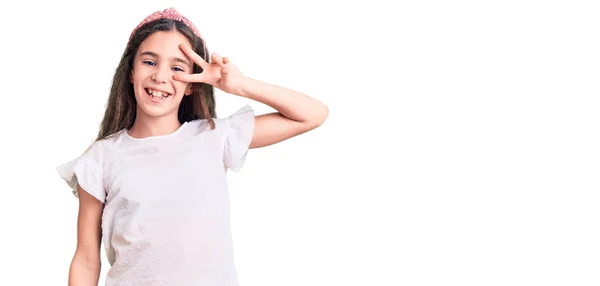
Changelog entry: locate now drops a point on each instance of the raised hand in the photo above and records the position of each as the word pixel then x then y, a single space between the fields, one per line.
pixel 220 72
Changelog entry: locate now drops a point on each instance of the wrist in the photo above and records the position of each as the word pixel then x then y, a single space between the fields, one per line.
pixel 246 87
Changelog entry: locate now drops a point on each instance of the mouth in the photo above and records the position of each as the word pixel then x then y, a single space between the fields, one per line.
pixel 157 95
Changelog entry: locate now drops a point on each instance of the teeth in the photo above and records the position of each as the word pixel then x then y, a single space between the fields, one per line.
pixel 156 93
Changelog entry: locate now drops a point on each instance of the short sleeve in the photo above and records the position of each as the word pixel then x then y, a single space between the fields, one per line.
pixel 236 133
pixel 86 171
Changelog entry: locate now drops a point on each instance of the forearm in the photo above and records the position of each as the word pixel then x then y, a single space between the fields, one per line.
pixel 291 104
pixel 84 270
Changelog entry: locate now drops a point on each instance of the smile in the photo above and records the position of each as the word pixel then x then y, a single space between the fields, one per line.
pixel 156 94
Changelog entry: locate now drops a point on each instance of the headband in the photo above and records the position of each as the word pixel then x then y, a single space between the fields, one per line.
pixel 172 14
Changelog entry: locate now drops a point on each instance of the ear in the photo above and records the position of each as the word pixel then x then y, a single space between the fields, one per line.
pixel 189 89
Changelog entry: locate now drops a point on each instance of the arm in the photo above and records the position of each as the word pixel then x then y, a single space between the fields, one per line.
pixel 85 266
pixel 297 113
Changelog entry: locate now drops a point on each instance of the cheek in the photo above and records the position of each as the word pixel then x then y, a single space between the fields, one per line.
pixel 181 87
pixel 136 77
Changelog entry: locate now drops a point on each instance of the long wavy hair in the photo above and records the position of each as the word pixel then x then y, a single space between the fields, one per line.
pixel 121 108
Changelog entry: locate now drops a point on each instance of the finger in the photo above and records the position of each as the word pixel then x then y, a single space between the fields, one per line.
pixel 216 59
pixel 194 56
pixel 225 60
pixel 185 77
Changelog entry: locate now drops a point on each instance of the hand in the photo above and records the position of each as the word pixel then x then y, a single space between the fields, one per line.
pixel 220 73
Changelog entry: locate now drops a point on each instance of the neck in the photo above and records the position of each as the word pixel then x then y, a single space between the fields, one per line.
pixel 147 126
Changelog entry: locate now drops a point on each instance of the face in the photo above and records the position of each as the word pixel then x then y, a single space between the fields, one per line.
pixel 158 58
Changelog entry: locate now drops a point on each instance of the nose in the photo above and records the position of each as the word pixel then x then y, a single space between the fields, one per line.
pixel 161 75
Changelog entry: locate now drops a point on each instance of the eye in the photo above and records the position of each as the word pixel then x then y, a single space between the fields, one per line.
pixel 148 62
pixel 178 69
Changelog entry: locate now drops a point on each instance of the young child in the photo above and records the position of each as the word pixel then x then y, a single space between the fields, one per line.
pixel 153 185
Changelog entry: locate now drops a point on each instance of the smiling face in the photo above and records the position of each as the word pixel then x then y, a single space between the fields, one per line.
pixel 158 58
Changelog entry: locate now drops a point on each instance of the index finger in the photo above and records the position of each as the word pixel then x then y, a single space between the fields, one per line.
pixel 194 56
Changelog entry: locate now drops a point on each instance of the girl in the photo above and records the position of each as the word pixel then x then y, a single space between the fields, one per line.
pixel 152 187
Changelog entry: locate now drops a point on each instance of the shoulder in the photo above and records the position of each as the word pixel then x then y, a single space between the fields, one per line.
pixel 104 147
pixel 104 150
pixel 239 119
pixel 87 169
pixel 236 132
pixel 243 113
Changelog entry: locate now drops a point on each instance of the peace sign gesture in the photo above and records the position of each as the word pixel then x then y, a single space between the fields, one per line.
pixel 219 73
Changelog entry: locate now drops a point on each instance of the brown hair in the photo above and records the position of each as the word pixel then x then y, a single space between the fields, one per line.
pixel 121 108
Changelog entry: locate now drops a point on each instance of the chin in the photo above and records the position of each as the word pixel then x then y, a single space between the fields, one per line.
pixel 158 110
pixel 152 111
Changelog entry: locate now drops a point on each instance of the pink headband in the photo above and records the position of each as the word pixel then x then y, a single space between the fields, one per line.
pixel 172 14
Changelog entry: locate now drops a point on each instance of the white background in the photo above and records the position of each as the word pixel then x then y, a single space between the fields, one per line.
pixel 462 145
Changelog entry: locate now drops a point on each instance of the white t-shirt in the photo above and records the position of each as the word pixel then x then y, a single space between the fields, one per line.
pixel 166 201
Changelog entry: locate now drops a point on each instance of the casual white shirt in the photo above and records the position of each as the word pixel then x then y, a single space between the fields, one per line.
pixel 166 218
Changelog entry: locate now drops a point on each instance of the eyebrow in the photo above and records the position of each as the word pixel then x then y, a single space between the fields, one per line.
pixel 153 54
